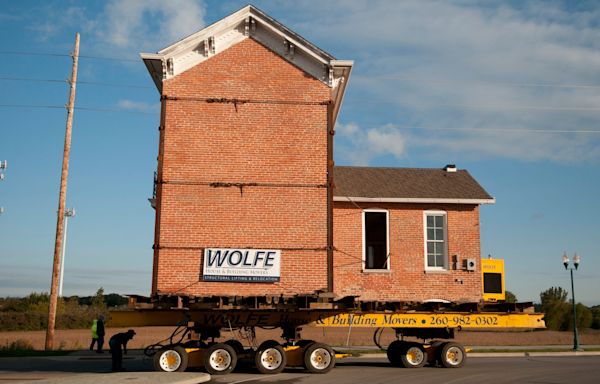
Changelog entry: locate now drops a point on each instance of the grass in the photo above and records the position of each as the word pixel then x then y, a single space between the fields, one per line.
pixel 31 353
pixel 24 348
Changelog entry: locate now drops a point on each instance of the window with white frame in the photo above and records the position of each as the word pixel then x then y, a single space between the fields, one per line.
pixel 375 240
pixel 436 243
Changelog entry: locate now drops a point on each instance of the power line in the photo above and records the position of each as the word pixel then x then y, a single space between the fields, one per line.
pixel 23 53
pixel 93 109
pixel 477 82
pixel 532 130
pixel 355 76
pixel 110 58
pixel 452 105
pixel 38 80
pixel 27 53
pixel 32 80
pixel 479 106
pixel 528 130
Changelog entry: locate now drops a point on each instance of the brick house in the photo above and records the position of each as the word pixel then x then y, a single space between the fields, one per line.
pixel 407 234
pixel 245 200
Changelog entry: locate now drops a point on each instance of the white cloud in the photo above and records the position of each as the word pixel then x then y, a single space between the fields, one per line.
pixel 144 24
pixel 360 146
pixel 480 66
pixel 138 106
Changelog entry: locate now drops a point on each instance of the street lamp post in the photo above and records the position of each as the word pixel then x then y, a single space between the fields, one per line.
pixel 68 213
pixel 576 260
pixel 2 166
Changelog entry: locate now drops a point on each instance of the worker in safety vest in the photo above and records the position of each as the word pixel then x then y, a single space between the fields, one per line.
pixel 98 334
pixel 94 334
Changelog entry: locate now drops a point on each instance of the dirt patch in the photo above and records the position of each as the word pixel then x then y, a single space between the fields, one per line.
pixel 78 339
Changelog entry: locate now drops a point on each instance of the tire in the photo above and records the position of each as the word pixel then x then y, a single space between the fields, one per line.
pixel 303 343
pixel 171 359
pixel 413 355
pixel 319 358
pixel 270 358
pixel 394 351
pixel 452 355
pixel 433 353
pixel 220 359
pixel 237 346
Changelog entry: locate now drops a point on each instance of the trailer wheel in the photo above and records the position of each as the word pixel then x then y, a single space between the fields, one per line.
pixel 433 353
pixel 270 358
pixel 413 355
pixel 452 355
pixel 319 358
pixel 303 343
pixel 220 359
pixel 237 346
pixel 171 359
pixel 394 351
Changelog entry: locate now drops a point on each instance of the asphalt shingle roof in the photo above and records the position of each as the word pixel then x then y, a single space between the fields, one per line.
pixel 409 183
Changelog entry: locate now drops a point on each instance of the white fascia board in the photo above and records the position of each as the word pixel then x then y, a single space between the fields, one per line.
pixel 215 27
pixel 413 200
pixel 154 64
pixel 291 39
pixel 342 63
pixel 338 92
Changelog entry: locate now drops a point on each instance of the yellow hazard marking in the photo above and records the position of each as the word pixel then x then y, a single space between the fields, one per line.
pixel 433 320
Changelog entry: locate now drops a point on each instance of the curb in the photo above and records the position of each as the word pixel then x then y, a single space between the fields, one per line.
pixel 131 378
pixel 498 354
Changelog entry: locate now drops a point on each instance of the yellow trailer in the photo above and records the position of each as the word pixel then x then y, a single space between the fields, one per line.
pixel 193 342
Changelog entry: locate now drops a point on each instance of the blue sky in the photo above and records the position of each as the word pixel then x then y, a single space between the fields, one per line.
pixel 508 90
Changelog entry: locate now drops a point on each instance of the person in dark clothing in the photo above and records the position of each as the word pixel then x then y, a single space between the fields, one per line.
pixel 100 333
pixel 117 342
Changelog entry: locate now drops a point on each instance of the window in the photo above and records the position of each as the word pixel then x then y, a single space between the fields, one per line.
pixel 436 246
pixel 375 240
pixel 492 282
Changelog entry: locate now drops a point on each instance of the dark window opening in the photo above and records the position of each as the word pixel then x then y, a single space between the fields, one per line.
pixel 492 283
pixel 376 240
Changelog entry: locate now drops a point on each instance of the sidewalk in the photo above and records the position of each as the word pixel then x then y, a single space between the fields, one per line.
pixel 88 367
pixel 126 378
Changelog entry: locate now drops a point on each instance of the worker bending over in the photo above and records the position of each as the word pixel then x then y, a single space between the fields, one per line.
pixel 117 342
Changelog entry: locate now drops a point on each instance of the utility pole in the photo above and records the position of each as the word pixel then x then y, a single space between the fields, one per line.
pixel 61 203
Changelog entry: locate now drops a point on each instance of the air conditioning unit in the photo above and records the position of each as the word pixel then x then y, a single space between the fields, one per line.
pixel 471 264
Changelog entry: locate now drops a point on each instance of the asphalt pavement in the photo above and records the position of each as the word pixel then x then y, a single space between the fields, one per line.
pixel 85 367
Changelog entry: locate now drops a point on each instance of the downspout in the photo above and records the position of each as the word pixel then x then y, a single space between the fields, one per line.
pixel 330 133
pixel 159 187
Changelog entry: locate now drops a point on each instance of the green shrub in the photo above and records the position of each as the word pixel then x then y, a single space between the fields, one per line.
pixel 18 345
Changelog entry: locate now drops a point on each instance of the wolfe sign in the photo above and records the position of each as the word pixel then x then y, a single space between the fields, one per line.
pixel 243 265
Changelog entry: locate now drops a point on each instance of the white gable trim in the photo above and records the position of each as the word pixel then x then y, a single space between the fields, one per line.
pixel 250 22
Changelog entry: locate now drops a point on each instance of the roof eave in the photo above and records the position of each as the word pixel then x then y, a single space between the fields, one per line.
pixel 154 64
pixel 415 200
pixel 344 69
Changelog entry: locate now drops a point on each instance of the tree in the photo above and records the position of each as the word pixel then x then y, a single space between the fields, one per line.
pixel 596 317
pixel 510 297
pixel 98 305
pixel 554 305
pixel 584 317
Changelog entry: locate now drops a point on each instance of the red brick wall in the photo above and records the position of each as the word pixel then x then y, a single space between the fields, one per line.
pixel 406 280
pixel 272 141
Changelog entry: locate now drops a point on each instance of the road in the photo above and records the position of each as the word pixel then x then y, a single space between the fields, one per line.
pixel 555 370
pixel 544 369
